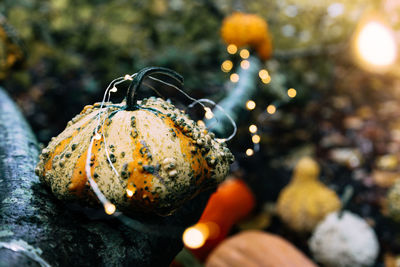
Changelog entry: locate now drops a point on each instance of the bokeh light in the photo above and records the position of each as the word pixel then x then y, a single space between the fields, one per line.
pixel 271 109
pixel 226 66
pixel 234 77
pixel 291 92
pixel 252 128
pixel 249 152
pixel 232 49
pixel 375 45
pixel 250 105
pixel 244 53
pixel 256 139
pixel 195 236
pixel 245 64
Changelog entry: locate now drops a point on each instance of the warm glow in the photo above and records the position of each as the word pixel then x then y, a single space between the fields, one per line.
pixel 245 64
pixel 226 66
pixel 263 74
pixel 234 77
pixel 252 128
pixel 97 136
pixel 244 53
pixel 292 92
pixel 128 77
pixel 114 89
pixel 249 152
pixel 375 44
pixel 266 80
pixel 109 208
pixel 271 109
pixel 209 114
pixel 195 236
pixel 256 139
pixel 129 193
pixel 232 49
pixel 250 105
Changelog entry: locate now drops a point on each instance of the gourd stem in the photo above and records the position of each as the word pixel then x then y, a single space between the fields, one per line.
pixel 139 78
pixel 347 194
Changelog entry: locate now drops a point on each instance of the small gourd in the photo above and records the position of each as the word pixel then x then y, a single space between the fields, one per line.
pixel 344 240
pixel 147 155
pixel 242 29
pixel 232 202
pixel 257 248
pixel 306 201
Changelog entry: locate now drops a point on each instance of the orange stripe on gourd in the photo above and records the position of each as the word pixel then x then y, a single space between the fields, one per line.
pixel 79 177
pixel 197 162
pixel 139 181
pixel 62 145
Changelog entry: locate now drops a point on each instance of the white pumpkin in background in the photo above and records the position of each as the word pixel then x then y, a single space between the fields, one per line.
pixel 344 240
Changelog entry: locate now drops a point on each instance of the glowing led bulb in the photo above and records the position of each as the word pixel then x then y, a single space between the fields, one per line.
pixel 245 64
pixel 244 53
pixel 249 152
pixel 195 236
pixel 128 77
pixel 250 105
pixel 263 74
pixel 252 128
pixel 234 77
pixel 226 66
pixel 209 114
pixel 266 80
pixel 232 49
pixel 271 109
pixel 129 193
pixel 292 92
pixel 375 44
pixel 256 139
pixel 114 89
pixel 97 136
pixel 109 208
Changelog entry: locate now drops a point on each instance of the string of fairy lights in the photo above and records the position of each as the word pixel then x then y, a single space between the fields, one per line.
pixel 375 49
pixel 227 67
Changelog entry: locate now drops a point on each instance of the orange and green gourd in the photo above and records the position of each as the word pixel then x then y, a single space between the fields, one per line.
pixel 305 201
pixel 162 157
pixel 241 29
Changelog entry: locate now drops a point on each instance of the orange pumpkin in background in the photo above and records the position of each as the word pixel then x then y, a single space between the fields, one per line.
pixel 255 249
pixel 232 202
pixel 241 29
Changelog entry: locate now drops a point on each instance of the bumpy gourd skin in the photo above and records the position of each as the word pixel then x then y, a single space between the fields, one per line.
pixel 162 157
pixel 306 201
pixel 243 29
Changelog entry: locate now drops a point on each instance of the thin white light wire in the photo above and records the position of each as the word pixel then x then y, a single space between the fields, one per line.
pixel 205 100
pixel 92 182
pixel 198 101
pixel 177 88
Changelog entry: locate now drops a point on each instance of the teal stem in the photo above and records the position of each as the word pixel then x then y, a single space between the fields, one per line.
pixel 234 104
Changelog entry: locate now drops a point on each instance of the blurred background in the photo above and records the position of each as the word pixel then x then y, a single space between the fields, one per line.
pixel 330 89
